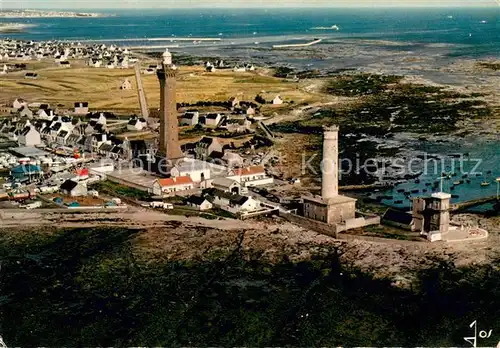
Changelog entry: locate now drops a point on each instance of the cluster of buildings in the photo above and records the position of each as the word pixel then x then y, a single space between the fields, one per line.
pixel 61 52
pixel 219 64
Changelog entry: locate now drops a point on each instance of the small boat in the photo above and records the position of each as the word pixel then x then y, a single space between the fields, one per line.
pixel 468 181
pixel 401 191
pixel 485 183
pixel 478 174
pixel 488 172
pixel 456 182
pixel 424 190
pixel 415 191
pixel 455 196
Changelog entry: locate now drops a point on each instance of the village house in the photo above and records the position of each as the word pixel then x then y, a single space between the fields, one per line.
pixel 62 137
pixel 95 63
pixel 251 176
pixel 238 68
pixel 45 114
pixel 250 111
pixel 200 203
pixel 136 124
pixel 233 203
pixel 74 188
pixel 172 185
pixel 190 118
pixel 29 137
pixel 96 141
pixel 213 119
pixel 31 75
pixel 226 185
pixel 19 103
pixel 65 64
pixel 206 146
pixel 235 102
pixel 277 100
pixel 126 85
pixel 196 170
pixel 25 112
pixel 81 108
pixel 99 118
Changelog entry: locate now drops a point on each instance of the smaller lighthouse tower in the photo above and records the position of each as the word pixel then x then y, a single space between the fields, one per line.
pixel 167 57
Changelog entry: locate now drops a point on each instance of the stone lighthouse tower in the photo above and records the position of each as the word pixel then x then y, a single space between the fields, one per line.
pixel 331 207
pixel 330 164
pixel 169 128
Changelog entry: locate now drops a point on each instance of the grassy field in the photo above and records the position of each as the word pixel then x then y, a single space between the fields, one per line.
pixel 101 87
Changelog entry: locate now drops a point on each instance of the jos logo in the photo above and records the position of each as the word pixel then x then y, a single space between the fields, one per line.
pixel 482 334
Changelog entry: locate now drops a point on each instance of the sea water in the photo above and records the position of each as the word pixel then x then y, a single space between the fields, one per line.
pixel 474 31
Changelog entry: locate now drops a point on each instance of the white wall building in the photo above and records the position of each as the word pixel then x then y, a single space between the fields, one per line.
pixel 172 185
pixel 29 137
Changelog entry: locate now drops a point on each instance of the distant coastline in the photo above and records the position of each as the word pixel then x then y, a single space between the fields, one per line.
pixel 48 14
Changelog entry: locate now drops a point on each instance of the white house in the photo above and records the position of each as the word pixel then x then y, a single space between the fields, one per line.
pixel 250 111
pixel 251 176
pixel 277 100
pixel 200 203
pixel 196 170
pixel 25 112
pixel 46 114
pixel 73 188
pixel 126 85
pixel 190 118
pixel 99 118
pixel 233 203
pixel 62 137
pixel 136 124
pixel 227 185
pixel 81 108
pixel 206 146
pixel 29 137
pixel 213 119
pixel 235 102
pixel 172 185
pixel 19 103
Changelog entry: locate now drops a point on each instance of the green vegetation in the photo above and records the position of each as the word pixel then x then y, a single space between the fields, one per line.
pixel 282 71
pixel 113 188
pixel 85 287
pixel 360 84
pixel 388 105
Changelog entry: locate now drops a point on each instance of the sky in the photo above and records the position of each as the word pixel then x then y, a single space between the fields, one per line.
pixel 130 4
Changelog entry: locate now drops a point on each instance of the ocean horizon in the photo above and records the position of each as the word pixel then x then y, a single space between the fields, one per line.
pixel 471 31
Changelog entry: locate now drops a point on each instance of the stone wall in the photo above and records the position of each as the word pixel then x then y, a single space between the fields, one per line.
pixel 310 224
